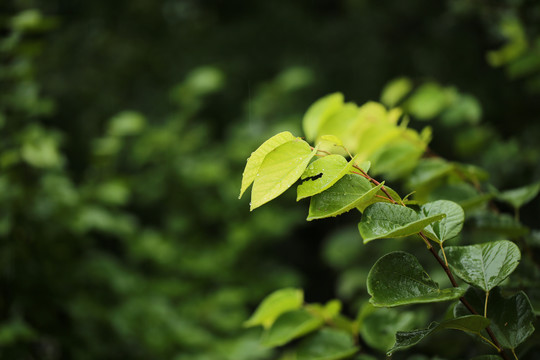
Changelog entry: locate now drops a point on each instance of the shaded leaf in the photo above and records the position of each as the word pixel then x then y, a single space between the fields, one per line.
pixel 349 192
pixel 484 265
pixel 274 305
pixel 379 326
pixel 279 170
pixel 471 323
pixel 398 279
pixel 256 159
pixel 383 220
pixel 327 344
pixel 448 227
pixel 520 196
pixel 511 318
pixel 428 101
pixel 289 326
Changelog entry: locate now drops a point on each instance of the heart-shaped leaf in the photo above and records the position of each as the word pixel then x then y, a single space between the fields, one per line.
pixel 256 159
pixel 289 326
pixel 274 305
pixel 279 170
pixel 383 220
pixel 484 265
pixel 399 279
pixel 327 344
pixel 511 318
pixel 346 194
pixel 322 174
pixel 473 324
pixel 448 227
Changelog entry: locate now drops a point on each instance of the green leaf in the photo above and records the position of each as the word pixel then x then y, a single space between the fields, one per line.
pixel 378 328
pixel 471 323
pixel 399 279
pixel 383 220
pixel 319 112
pixel 428 101
pixel 487 357
pixel 256 159
pixel 395 90
pixel 466 109
pixel 279 170
pixel 346 194
pixel 289 326
pixel 503 224
pixel 321 174
pixel 327 344
pixel 126 123
pixel 520 196
pixel 428 171
pixel 484 265
pixel 448 227
pixel 511 318
pixel 274 305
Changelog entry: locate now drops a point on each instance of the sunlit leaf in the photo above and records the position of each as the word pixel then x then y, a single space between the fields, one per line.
pixel 321 174
pixel 256 159
pixel 395 90
pixel 484 265
pixel 319 112
pixel 279 170
pixel 399 279
pixel 289 326
pixel 274 305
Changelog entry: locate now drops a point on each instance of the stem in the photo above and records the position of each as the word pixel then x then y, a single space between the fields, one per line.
pixel 514 353
pixel 466 303
pixel 446 270
pixel 444 255
pixel 488 341
pixel 383 189
pixel 485 304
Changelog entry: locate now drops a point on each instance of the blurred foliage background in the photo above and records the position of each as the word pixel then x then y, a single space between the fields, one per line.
pixel 125 126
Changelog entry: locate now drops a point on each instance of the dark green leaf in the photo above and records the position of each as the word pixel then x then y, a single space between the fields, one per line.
pixel 511 318
pixel 484 265
pixel 399 279
pixel 520 196
pixel 349 192
pixel 327 344
pixel 383 220
pixel 448 227
pixel 471 323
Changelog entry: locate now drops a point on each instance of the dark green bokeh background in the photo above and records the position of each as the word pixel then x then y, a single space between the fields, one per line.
pixel 128 242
